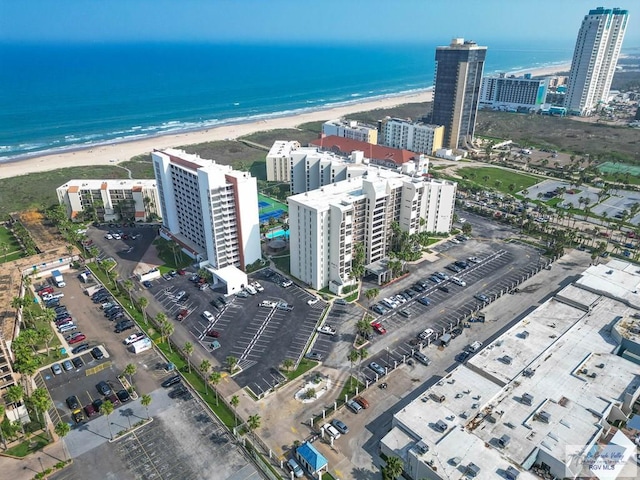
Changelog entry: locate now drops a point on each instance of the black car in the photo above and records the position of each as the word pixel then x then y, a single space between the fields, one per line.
pixel 77 362
pixel 123 326
pixel 97 403
pixel 444 289
pixel 215 303
pixel 123 396
pixel 223 300
pixel 60 308
pixel 147 284
pixel 462 264
pixel 72 402
pixel 117 316
pixel 115 308
pixel 97 353
pixel 418 288
pixel 80 348
pixel 104 388
pixel 171 381
pixel 52 303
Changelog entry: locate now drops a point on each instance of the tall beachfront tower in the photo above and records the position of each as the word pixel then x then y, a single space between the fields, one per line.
pixel 210 210
pixel 458 78
pixel 594 59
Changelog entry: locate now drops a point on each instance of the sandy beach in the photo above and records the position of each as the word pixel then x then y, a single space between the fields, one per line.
pixel 118 152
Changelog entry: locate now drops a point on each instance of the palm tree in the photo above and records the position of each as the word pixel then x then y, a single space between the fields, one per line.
pixel 107 409
pixel 364 327
pixel 362 354
pixel 130 370
pixel 41 402
pixel 215 378
pixel 128 286
pixel 15 394
pixel 143 303
pixel 371 294
pixel 62 429
pixel 253 422
pixel 205 366
pixel 188 351
pixel 393 469
pixel 235 401
pixel 2 410
pixel 166 330
pixel 145 401
pixel 287 363
pixel 160 319
pixel 232 362
pixel 353 357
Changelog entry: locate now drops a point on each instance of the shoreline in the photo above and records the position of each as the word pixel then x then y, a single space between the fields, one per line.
pixel 118 151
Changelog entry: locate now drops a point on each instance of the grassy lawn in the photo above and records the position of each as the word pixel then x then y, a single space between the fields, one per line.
pixel 23 449
pixel 18 193
pixel 506 177
pixel 409 110
pixel 267 137
pixel 554 201
pixel 304 366
pixel 282 262
pixel 171 261
pixel 141 166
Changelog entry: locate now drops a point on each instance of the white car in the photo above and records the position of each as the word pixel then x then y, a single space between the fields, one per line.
pixel 268 304
pixel 134 337
pixel 473 259
pixel 257 286
pixel 312 301
pixel 331 430
pixel 426 334
pixel 459 281
pixel 250 290
pixel 327 329
pixel 108 236
pixel 208 315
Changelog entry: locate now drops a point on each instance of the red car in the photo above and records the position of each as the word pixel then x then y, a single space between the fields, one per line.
pixel 213 334
pixel 377 326
pixel 77 339
pixel 45 291
pixel 182 314
pixel 182 272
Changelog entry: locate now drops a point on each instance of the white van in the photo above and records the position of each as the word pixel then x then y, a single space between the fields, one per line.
pixel 67 328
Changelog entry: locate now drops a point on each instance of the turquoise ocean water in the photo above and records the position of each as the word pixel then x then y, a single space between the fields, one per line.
pixel 57 97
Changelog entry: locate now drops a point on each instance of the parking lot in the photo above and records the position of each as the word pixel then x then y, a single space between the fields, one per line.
pixel 260 338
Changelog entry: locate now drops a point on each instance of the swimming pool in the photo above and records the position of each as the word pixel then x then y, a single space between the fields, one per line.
pixel 278 232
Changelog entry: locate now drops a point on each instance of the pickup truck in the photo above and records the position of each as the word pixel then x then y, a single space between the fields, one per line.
pixel 327 329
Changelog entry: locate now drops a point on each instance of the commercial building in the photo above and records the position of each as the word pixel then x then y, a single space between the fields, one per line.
pixel 542 400
pixel 328 225
pixel 279 160
pixel 211 210
pixel 414 136
pixel 517 94
pixel 458 78
pixel 350 129
pixel 594 59
pixel 111 200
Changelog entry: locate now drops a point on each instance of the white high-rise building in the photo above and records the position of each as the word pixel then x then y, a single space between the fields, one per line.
pixel 211 210
pixel 594 59
pixel 413 136
pixel 327 224
pixel 350 129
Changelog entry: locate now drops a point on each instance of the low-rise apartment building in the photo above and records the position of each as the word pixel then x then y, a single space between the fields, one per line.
pixel 350 129
pixel 416 137
pixel 110 200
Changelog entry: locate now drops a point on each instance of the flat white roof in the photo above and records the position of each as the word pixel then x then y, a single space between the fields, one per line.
pixel 112 184
pixel 561 379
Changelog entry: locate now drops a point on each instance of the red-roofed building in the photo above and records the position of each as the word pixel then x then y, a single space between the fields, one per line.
pixel 378 154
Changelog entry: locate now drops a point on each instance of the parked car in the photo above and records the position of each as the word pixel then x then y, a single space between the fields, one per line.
pixel 67 366
pixel 317 356
pixel 104 388
pixel 377 368
pixel 482 297
pixel 327 329
pixel 313 301
pixel 424 301
pixel 96 353
pixel 354 406
pixel 78 416
pixel 208 315
pixel 134 337
pixel 124 326
pixel 295 468
pixel 80 348
pixel 90 410
pixel 77 362
pixel 377 326
pixel 331 430
pixel 79 338
pixel 123 396
pixel 171 381
pixel 56 369
pixel 72 402
pixel 147 284
pixel 340 426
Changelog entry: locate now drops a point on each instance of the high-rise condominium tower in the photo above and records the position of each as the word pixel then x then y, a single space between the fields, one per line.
pixel 457 90
pixel 594 59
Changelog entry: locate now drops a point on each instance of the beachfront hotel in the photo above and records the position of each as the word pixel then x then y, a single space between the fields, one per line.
pixel 326 224
pixel 350 129
pixel 458 77
pixel 211 210
pixel 517 94
pixel 110 200
pixel 594 59
pixel 546 399
pixel 417 137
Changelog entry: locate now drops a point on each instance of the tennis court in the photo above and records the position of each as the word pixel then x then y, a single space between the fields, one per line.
pixel 270 208
pixel 613 167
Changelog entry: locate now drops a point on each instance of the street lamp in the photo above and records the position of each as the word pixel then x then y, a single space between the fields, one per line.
pixel 41 465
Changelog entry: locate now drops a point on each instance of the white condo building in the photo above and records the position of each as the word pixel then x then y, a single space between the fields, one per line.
pixel 326 224
pixel 279 160
pixel 111 200
pixel 594 59
pixel 211 210
pixel 350 129
pixel 513 93
pixel 413 136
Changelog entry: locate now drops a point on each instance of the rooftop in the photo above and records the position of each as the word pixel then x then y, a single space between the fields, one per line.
pixel 376 153
pixel 75 185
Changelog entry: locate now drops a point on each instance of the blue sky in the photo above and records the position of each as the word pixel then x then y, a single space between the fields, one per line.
pixel 373 21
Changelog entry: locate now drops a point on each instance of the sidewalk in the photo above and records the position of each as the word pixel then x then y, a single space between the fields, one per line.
pixel 35 463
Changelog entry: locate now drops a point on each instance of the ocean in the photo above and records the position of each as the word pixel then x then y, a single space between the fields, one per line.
pixel 60 97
